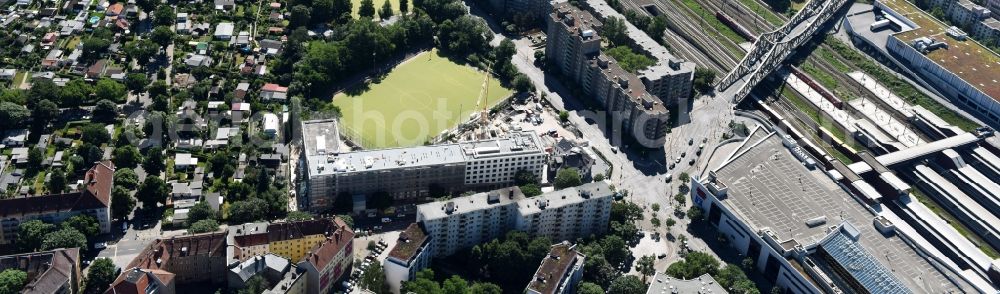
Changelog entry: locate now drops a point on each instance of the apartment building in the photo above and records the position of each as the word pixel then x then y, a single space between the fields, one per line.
pixel 559 272
pixel 329 262
pixel 573 46
pixel 994 7
pixel 94 200
pixel 289 240
pixel 566 214
pixel 407 257
pixel 49 272
pixel 175 261
pixel 412 173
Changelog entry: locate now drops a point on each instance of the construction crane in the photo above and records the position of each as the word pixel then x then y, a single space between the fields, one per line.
pixel 484 114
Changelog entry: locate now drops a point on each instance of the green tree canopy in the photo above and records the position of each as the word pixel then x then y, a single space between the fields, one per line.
pixel 152 191
pixel 203 226
pixel 13 115
pixel 694 264
pixel 154 163
pixel 83 223
pixel 57 181
pixel 121 202
pixel 12 281
pixel 200 211
pixel 126 178
pixel 567 177
pixel 100 275
pixel 108 89
pixel 367 9
pixel 127 156
pixel 627 285
pixel 66 237
pixel 31 233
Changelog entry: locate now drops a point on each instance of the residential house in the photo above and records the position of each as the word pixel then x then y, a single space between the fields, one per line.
pixel 224 31
pixel 183 161
pixel 331 261
pixel 224 4
pixel 8 74
pixel 115 9
pixel 273 92
pixel 190 259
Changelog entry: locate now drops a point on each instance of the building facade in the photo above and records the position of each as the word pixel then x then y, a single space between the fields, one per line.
pixel 559 272
pixel 94 200
pixel 290 240
pixel 566 214
pixel 329 262
pixel 409 174
pixel 574 47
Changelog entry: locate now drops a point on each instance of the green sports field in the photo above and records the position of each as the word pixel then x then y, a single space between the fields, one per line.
pixel 416 101
pixel 356 5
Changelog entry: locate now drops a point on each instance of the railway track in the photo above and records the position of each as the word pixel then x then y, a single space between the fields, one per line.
pixel 694 34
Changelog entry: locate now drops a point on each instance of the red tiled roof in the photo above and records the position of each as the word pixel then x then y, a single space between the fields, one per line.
pixel 274 88
pixel 116 9
pixel 98 180
pixel 324 252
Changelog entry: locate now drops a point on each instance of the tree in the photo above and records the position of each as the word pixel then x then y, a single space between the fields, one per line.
pixel 563 116
pixel 523 177
pixel 386 11
pixel 13 115
pixel 44 111
pixel 105 111
pixel 348 220
pixel 342 10
pixel 670 223
pixel 121 202
pixel 249 210
pixel 57 181
pixel 154 163
pixel 404 6
pixel 200 211
pixel 31 233
pixel 66 237
pixel 627 285
pixel 531 190
pixel 367 9
pixel 729 275
pixel 463 35
pixel 373 279
pixel 141 50
pixel 152 191
pixel 93 47
pixel 597 269
pixel 423 284
pixel 454 285
pixel 703 79
pixel 625 211
pixel 12 281
pixel 203 226
pixel 94 134
pixel 694 264
pixel 126 178
pixel 127 156
pixel 42 90
pixel 655 207
pixel 322 11
pixel 100 275
pixel 256 284
pixel 567 177
pixel 35 158
pixel 522 84
pixel 298 216
pixel 108 89
pixel 164 15
pixel 645 266
pixel 684 177
pixel 589 288
pixel 655 222
pixel 136 82
pixel 300 15
pixel 162 35
pixel 615 31
pixel 695 213
pixel 89 153
pixel 615 250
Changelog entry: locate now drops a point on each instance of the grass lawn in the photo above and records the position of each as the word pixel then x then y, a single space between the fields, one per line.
pixel 356 5
pixel 415 102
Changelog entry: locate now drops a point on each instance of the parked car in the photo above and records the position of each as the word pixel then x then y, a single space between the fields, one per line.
pixel 100 245
pixel 386 220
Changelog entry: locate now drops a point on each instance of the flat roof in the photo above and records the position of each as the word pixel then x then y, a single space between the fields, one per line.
pixel 770 188
pixel 410 240
pixel 427 156
pixel 553 267
pixel 967 59
pixel 466 204
pixel 662 283
pixel 320 137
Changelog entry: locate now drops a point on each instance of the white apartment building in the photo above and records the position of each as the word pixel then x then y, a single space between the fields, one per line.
pixel 410 173
pixel 559 215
